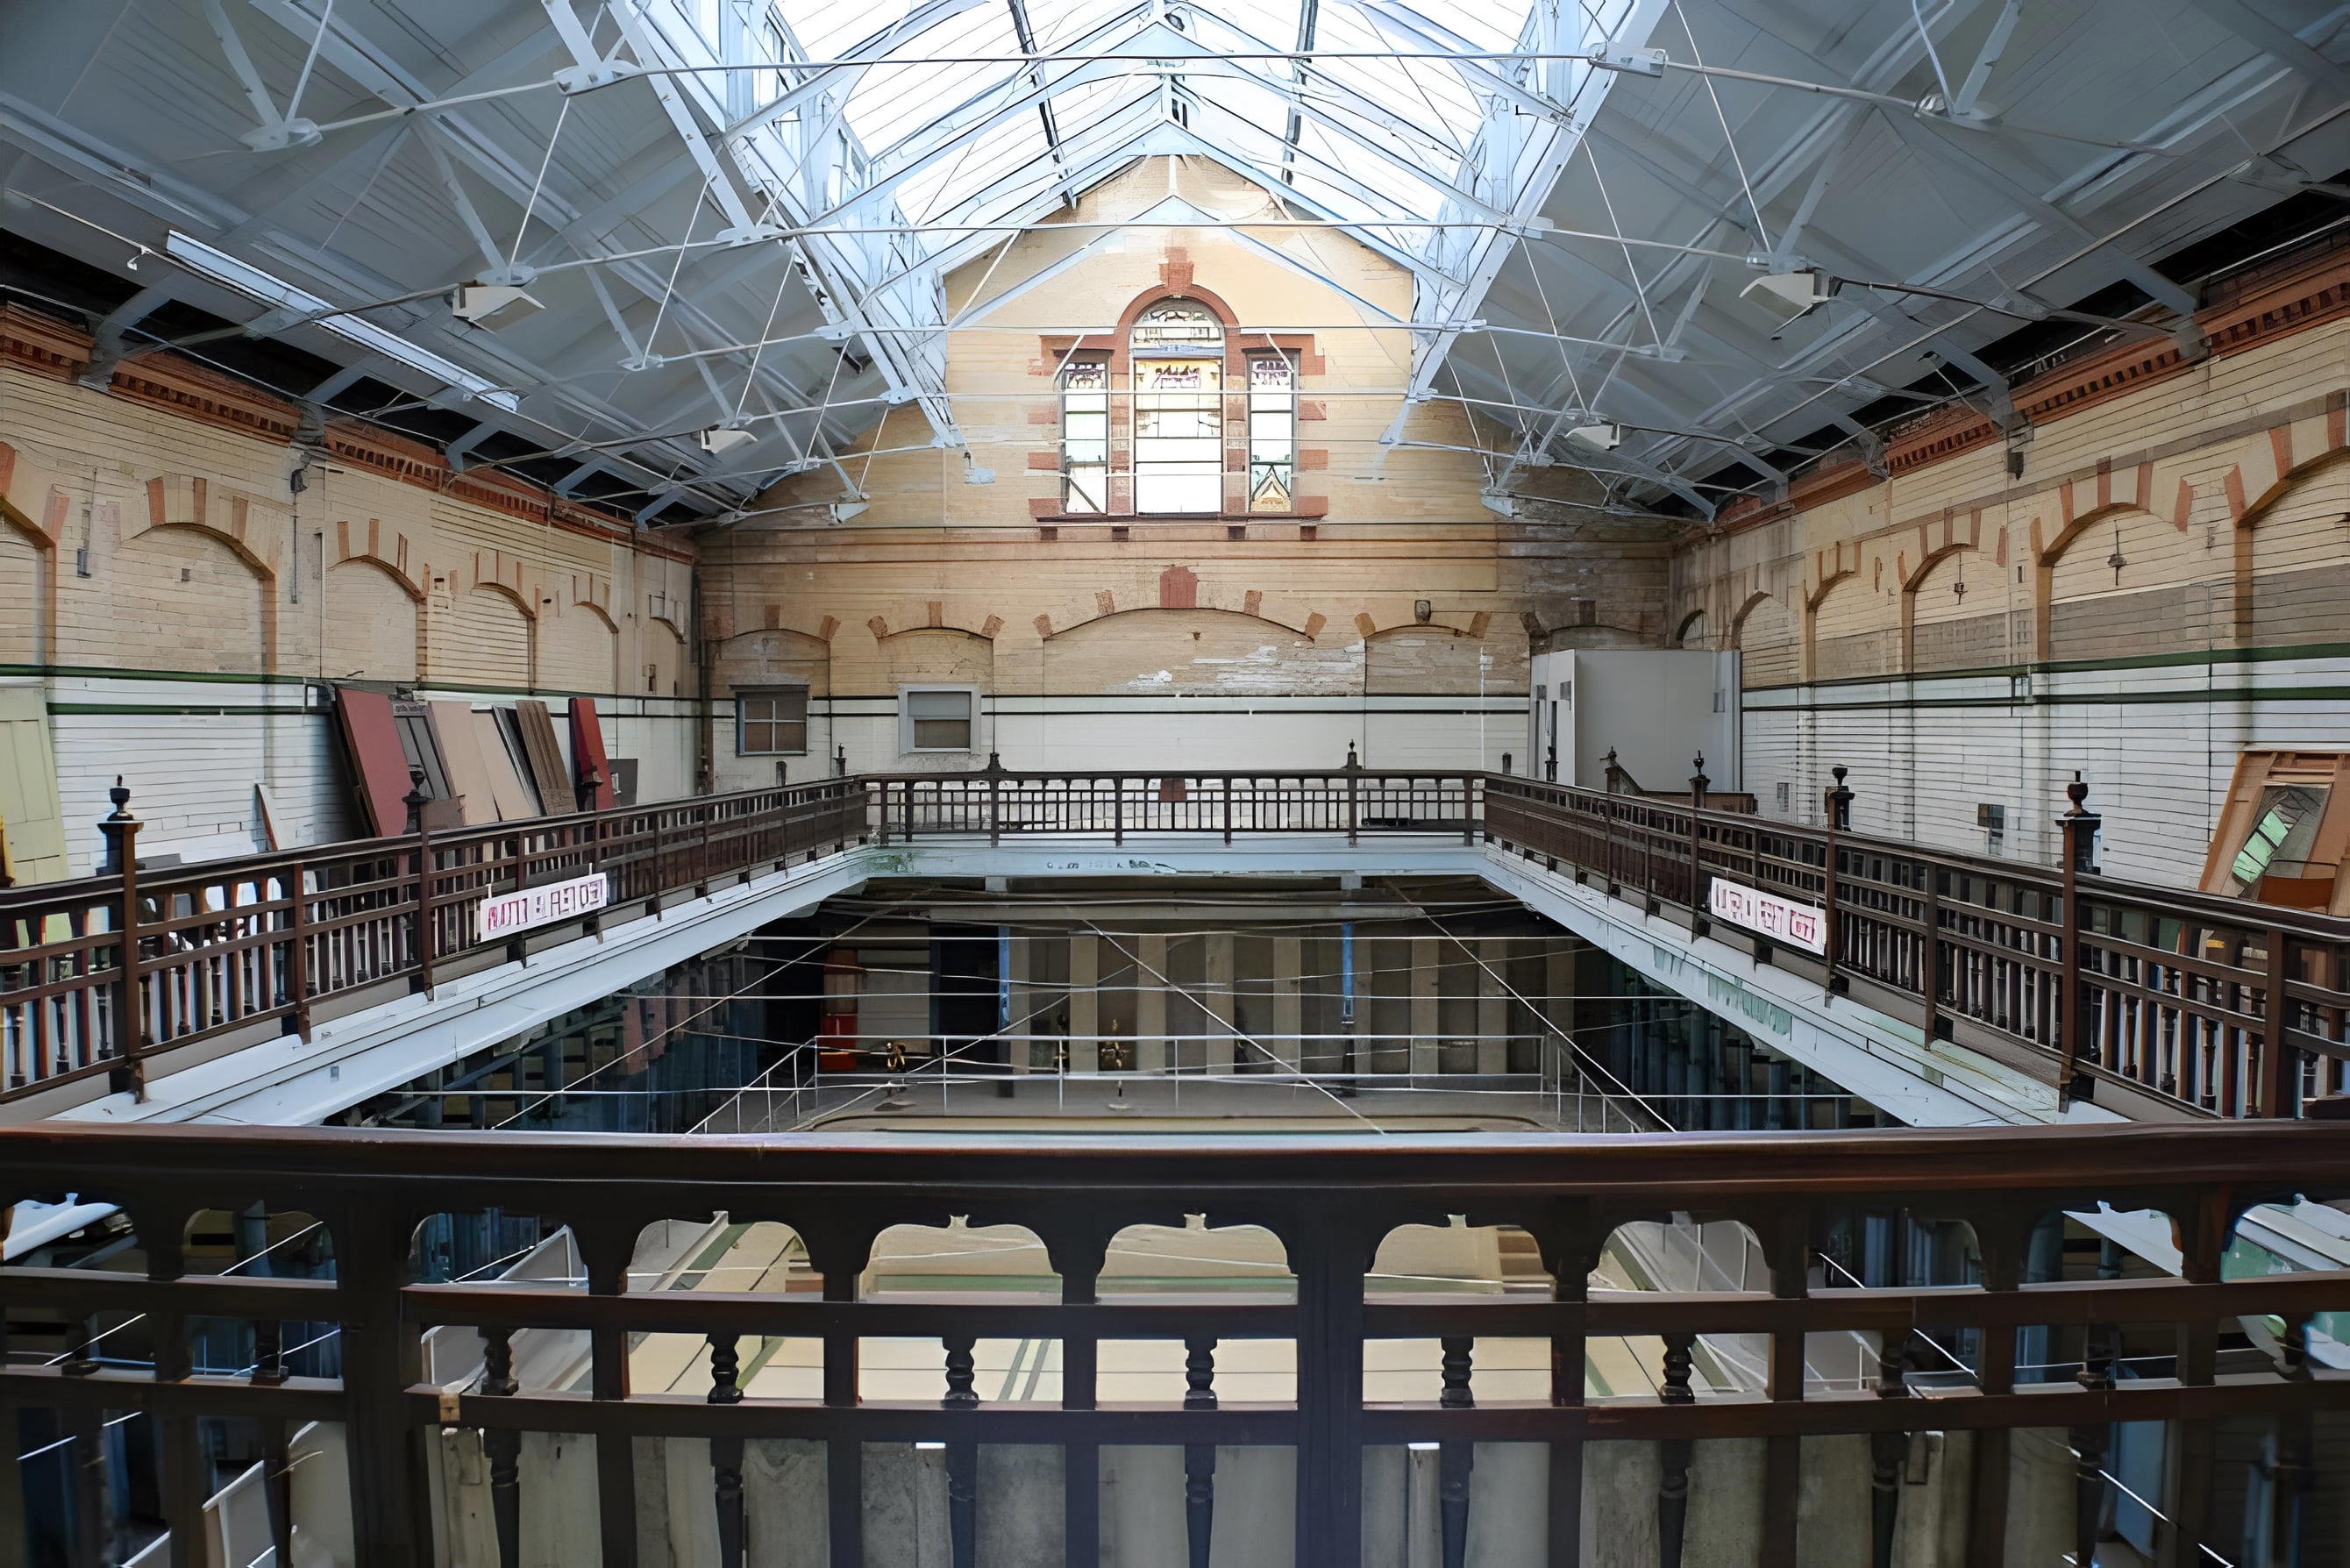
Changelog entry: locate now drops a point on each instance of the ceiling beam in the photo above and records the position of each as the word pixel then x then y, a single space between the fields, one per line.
pixel 2280 43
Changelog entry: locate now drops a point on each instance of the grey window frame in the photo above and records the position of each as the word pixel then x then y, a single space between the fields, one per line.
pixel 742 720
pixel 906 746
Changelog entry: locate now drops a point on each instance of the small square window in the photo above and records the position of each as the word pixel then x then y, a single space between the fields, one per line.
pixel 936 719
pixel 771 720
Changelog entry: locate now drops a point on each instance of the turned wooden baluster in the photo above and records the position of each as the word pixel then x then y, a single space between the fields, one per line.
pixel 726 1453
pixel 276 1478
pixel 1455 1460
pixel 962 1458
pixel 2089 1444
pixel 1199 1459
pixel 1887 1453
pixel 502 1447
pixel 1672 1481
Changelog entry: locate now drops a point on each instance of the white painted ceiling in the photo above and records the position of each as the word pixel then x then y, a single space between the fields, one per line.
pixel 738 212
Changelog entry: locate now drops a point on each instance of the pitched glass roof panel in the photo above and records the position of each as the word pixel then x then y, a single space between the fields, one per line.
pixel 1378 125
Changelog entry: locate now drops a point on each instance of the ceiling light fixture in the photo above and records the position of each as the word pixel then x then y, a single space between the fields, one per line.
pixel 495 300
pixel 720 440
pixel 1794 294
pixel 1802 290
pixel 296 305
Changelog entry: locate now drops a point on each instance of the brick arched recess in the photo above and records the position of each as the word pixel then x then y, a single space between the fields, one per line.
pixel 185 501
pixel 1737 626
pixel 2321 617
pixel 1831 568
pixel 931 615
pixel 1764 661
pixel 766 654
pixel 2115 526
pixel 495 575
pixel 1179 587
pixel 579 638
pixel 1940 628
pixel 388 550
pixel 38 521
pixel 389 554
pixel 1427 659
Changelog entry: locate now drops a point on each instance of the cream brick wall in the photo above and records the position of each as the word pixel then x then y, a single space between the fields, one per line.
pixel 2167 581
pixel 1112 651
pixel 160 576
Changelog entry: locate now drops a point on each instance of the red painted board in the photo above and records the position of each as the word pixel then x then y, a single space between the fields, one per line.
pixel 371 742
pixel 587 756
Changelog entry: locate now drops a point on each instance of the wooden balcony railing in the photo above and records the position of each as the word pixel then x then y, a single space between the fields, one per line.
pixel 2197 1004
pixel 1329 1201
pixel 2164 1002
pixel 229 945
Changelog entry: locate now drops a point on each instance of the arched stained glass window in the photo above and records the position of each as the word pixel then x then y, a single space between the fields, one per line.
pixel 1177 347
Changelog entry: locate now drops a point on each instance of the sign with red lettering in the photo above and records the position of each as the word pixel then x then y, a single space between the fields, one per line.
pixel 1797 925
pixel 509 913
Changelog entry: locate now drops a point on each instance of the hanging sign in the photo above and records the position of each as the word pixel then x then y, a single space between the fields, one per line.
pixel 511 912
pixel 1797 925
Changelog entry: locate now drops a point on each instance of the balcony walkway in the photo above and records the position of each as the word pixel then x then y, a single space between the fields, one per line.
pixel 281 989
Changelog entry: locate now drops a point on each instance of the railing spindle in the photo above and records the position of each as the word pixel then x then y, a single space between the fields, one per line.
pixel 726 1452
pixel 1199 1459
pixel 501 1445
pixel 1674 1453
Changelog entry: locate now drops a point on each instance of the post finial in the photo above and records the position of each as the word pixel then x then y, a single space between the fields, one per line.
pixel 1352 760
pixel 121 796
pixel 1840 800
pixel 2077 792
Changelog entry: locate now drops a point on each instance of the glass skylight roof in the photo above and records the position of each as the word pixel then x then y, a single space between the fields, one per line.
pixel 972 110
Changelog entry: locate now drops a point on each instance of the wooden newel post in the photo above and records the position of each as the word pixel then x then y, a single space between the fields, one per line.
pixel 1354 796
pixel 1698 887
pixel 129 1075
pixel 1615 773
pixel 994 799
pixel 1839 800
pixel 416 799
pixel 2079 826
pixel 1839 813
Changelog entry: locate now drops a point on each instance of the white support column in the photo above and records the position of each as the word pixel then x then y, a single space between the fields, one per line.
pixel 1150 1003
pixel 1559 981
pixel 1020 1028
pixel 1288 1005
pixel 1493 1006
pixel 1085 1003
pixel 1217 999
pixel 1426 973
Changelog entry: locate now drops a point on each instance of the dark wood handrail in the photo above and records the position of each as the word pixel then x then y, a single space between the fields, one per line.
pixel 1329 1199
pixel 2168 998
